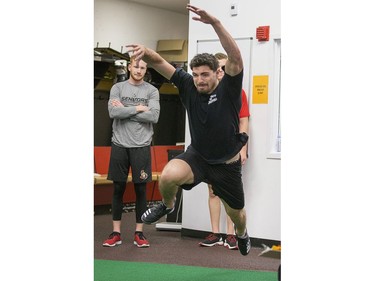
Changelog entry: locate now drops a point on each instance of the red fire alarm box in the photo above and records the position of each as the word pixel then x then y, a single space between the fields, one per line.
pixel 263 33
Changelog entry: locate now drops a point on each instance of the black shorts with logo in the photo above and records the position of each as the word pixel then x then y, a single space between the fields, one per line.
pixel 226 179
pixel 138 158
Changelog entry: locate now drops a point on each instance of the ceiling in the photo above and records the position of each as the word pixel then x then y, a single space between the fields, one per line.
pixel 178 6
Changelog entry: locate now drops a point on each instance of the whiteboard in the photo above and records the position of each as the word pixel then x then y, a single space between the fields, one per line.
pixel 245 44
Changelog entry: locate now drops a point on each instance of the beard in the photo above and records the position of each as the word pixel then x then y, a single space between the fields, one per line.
pixel 203 92
pixel 202 89
pixel 136 77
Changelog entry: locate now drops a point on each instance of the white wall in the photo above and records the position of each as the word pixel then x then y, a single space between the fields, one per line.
pixel 261 176
pixel 120 22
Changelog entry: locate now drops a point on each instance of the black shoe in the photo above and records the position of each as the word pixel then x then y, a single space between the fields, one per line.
pixel 244 244
pixel 231 242
pixel 155 213
pixel 212 240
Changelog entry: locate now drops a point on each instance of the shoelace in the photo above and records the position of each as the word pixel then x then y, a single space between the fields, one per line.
pixel 212 237
pixel 161 208
pixel 231 238
pixel 141 236
pixel 113 234
pixel 164 208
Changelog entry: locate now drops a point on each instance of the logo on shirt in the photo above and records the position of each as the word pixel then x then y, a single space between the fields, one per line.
pixel 212 99
pixel 134 100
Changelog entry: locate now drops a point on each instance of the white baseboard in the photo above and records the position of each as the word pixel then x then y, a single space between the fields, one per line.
pixel 176 226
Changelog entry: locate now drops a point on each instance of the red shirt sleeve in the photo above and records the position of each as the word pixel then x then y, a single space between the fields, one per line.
pixel 244 112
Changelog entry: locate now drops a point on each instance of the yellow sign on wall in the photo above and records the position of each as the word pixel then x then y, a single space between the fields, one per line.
pixel 260 89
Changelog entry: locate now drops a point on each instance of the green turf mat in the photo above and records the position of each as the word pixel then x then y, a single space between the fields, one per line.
pixel 106 270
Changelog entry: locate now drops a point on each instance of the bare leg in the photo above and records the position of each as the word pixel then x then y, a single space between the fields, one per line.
pixel 116 226
pixel 139 227
pixel 175 173
pixel 238 217
pixel 230 227
pixel 214 205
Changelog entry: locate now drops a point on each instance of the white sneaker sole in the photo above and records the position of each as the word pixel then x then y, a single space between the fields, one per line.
pixel 109 245
pixel 229 247
pixel 141 246
pixel 210 245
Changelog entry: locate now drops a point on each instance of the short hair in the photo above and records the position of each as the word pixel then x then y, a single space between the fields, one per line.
pixel 205 59
pixel 132 59
pixel 221 56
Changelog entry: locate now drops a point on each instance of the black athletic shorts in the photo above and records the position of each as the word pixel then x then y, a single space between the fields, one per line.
pixel 226 179
pixel 138 158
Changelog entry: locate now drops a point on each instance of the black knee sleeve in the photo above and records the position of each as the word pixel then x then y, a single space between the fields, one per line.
pixel 117 204
pixel 140 202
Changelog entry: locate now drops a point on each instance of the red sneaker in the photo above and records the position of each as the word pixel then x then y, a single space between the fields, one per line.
pixel 140 240
pixel 212 240
pixel 231 242
pixel 113 240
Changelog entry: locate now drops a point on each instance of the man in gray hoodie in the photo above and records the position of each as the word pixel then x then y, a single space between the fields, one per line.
pixel 134 107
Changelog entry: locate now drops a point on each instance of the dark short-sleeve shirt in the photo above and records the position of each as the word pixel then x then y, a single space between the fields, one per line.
pixel 213 118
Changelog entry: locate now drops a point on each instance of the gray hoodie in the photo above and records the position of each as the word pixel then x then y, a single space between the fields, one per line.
pixel 129 128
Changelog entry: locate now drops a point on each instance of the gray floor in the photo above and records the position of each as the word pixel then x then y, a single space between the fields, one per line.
pixel 169 247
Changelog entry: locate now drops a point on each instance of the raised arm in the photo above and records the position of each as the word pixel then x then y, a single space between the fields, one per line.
pixel 153 59
pixel 234 64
